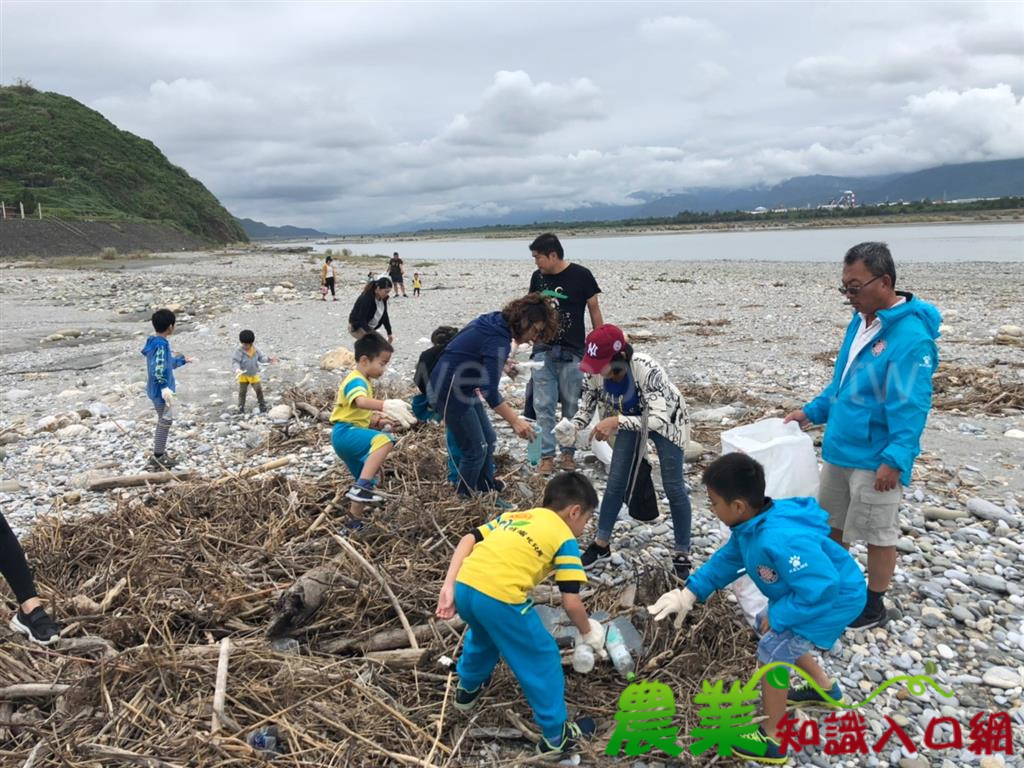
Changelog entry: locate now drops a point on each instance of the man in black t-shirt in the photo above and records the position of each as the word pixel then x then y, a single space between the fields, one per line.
pixel 574 290
pixel 395 272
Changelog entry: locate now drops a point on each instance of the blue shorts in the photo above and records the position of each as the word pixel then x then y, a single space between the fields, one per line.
pixel 355 444
pixel 780 646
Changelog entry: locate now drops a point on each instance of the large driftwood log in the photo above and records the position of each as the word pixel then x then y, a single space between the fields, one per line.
pixel 390 639
pixel 310 410
pixel 301 600
pixel 32 691
pixel 134 481
pixel 400 658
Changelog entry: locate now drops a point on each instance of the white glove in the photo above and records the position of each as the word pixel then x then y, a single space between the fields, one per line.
pixel 595 637
pixel 168 395
pixel 399 411
pixel 565 433
pixel 677 601
pixel 239 373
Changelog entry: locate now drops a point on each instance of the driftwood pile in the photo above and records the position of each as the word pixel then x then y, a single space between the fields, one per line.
pixel 976 390
pixel 203 610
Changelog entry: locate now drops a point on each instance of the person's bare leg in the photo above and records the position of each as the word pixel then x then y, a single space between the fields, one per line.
pixel 774 699
pixel 881 566
pixel 375 461
pixel 836 534
pixel 30 605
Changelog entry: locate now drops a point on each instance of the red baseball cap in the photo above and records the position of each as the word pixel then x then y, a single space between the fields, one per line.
pixel 603 343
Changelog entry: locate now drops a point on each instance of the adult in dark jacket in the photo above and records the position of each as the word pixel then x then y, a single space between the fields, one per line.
pixel 468 373
pixel 370 311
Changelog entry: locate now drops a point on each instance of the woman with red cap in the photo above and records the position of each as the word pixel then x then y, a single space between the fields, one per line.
pixel 636 401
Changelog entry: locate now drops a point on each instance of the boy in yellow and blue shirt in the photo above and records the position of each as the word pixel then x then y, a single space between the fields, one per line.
pixel 491 572
pixel 361 435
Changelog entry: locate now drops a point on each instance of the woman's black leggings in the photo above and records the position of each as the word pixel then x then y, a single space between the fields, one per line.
pixel 13 564
pixel 329 282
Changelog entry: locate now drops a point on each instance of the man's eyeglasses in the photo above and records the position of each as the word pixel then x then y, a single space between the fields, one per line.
pixel 853 290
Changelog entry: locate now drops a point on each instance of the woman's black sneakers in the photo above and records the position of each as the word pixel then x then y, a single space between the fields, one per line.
pixel 37 626
pixel 595 553
pixel 682 565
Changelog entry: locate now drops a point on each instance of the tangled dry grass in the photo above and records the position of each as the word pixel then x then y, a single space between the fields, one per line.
pixel 152 590
pixel 978 390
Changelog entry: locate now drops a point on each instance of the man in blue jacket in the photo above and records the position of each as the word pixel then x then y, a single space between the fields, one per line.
pixel 875 407
pixel 814 587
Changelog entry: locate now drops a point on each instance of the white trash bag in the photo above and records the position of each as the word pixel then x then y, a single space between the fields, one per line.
pixel 790 469
pixel 785 452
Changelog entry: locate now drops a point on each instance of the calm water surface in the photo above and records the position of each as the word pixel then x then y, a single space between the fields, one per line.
pixel 1003 242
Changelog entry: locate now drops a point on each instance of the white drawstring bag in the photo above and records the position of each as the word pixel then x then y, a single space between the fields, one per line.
pixel 790 469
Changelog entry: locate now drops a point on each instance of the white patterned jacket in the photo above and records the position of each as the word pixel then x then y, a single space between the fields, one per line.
pixel 666 409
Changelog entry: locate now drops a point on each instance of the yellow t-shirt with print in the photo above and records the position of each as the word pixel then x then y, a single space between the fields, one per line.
pixel 517 550
pixel 352 386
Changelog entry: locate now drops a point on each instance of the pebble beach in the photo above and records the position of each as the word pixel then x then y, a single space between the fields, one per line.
pixel 742 340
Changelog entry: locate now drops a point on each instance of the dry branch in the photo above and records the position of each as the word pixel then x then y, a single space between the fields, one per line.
pixel 134 481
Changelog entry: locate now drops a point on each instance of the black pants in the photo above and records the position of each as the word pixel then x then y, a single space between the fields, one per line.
pixel 329 282
pixel 257 388
pixel 13 564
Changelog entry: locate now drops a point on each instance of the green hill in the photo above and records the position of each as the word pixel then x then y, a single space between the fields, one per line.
pixel 79 165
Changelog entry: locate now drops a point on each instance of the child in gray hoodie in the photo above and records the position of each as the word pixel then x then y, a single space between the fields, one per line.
pixel 246 361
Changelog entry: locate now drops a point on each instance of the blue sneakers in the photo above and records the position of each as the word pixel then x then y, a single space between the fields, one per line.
pixel 806 696
pixel 772 753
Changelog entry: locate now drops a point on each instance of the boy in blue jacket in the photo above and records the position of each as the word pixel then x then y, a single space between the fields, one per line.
pixel 814 587
pixel 160 385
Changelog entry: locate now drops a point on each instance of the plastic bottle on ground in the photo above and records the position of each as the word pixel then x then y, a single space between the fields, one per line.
pixel 583 658
pixel 533 447
pixel 619 653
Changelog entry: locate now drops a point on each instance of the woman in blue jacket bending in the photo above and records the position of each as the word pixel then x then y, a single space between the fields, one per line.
pixel 467 376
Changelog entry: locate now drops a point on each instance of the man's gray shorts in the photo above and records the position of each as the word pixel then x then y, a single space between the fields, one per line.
pixel 857 509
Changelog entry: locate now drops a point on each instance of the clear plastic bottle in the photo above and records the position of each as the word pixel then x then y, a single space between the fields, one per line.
pixel 533 447
pixel 619 653
pixel 583 658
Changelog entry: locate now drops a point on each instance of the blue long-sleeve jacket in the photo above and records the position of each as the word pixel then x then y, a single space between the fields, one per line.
pixel 877 413
pixel 813 585
pixel 160 365
pixel 472 360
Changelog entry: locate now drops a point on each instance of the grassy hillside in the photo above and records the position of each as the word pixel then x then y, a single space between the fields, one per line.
pixel 79 165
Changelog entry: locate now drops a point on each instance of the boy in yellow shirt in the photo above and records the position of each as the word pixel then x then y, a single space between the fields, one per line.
pixel 491 572
pixel 361 435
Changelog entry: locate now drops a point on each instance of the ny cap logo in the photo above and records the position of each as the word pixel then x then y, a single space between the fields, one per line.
pixel 592 349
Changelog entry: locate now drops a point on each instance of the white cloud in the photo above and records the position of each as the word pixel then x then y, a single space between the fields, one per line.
pixel 347 116
pixel 679 27
pixel 840 73
pixel 994 40
pixel 514 108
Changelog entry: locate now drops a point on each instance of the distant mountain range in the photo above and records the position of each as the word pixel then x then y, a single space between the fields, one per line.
pixel 947 182
pixel 257 230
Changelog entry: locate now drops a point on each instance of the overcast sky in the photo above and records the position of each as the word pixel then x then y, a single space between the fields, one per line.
pixel 345 116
